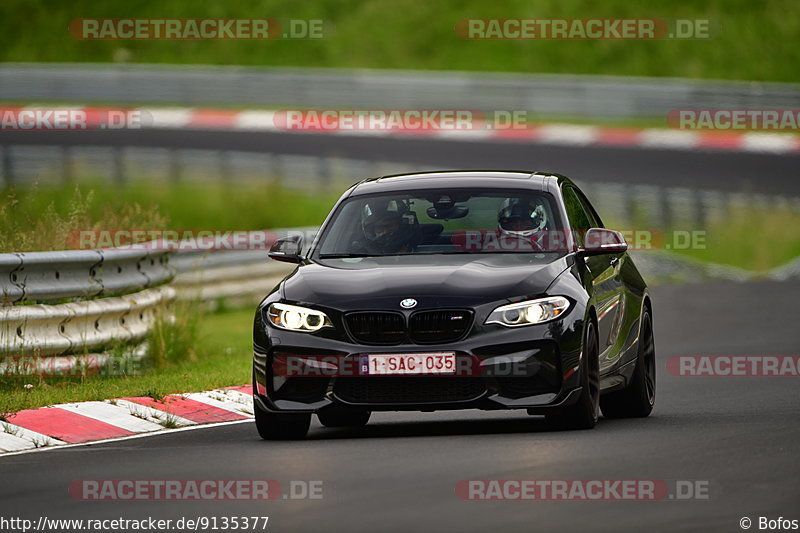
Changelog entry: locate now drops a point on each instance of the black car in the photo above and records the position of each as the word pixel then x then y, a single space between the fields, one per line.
pixel 455 290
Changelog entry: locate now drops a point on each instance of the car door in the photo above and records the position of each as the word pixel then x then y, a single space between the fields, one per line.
pixel 604 281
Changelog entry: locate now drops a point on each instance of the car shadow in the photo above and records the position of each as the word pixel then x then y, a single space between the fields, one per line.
pixel 482 426
pixel 435 428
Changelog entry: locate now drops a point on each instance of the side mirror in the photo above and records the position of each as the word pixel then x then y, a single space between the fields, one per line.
pixel 287 249
pixel 598 241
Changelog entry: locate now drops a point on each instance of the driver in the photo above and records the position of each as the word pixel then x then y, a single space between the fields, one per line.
pixel 386 232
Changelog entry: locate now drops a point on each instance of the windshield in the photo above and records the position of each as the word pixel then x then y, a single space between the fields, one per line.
pixel 441 221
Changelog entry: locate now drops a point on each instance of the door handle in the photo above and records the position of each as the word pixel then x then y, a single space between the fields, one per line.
pixel 614 261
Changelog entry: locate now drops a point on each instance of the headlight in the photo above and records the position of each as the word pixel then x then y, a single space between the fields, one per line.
pixel 530 312
pixel 296 318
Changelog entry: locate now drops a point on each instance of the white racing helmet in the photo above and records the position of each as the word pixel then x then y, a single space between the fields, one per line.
pixel 518 217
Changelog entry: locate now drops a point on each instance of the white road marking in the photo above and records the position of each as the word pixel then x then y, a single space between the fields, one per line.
pixel 255 120
pixel 129 437
pixel 215 399
pixel 166 117
pixel 32 438
pixel 661 138
pixel 568 134
pixel 115 415
pixel 770 142
pixel 237 396
pixel 154 415
pixel 12 443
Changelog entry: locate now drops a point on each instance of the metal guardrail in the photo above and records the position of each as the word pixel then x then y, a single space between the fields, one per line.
pixel 588 96
pixel 235 276
pixel 112 298
pixel 52 276
pixel 189 260
pixel 234 285
pixel 40 334
pixel 80 327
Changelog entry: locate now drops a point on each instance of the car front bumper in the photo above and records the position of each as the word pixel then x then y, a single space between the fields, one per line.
pixel 534 368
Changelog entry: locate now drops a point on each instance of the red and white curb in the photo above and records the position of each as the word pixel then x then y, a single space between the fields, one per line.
pixel 83 422
pixel 547 134
pixel 554 134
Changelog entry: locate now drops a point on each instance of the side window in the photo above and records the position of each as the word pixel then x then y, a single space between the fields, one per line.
pixel 590 211
pixel 578 219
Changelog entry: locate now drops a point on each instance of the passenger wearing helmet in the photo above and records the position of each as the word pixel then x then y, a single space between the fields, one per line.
pixel 521 220
pixel 385 232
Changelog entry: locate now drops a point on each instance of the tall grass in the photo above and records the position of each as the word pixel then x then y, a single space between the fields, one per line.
pixel 173 338
pixel 751 40
pixel 753 239
pixel 756 239
pixel 42 217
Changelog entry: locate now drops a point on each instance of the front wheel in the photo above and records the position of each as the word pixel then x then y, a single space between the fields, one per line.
pixel 583 413
pixel 638 398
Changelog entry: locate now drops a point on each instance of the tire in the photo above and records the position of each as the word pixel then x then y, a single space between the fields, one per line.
pixel 339 418
pixel 637 399
pixel 583 414
pixel 280 426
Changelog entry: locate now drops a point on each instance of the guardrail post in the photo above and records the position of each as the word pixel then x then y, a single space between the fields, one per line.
pixel 324 172
pixel 8 166
pixel 700 217
pixel 119 165
pixel 665 208
pixel 175 165
pixel 224 163
pixel 629 207
pixel 276 168
pixel 66 164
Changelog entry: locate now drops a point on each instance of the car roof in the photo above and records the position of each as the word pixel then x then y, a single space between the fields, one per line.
pixel 500 179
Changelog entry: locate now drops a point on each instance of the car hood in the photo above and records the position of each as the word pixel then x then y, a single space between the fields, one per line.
pixel 433 280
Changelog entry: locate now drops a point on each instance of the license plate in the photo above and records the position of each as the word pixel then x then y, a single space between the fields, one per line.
pixel 408 363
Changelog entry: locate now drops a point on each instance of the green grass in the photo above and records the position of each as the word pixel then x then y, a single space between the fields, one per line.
pixel 42 218
pixel 756 241
pixel 751 40
pixel 220 356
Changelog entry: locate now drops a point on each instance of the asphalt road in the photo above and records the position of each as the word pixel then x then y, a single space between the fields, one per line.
pixel 398 474
pixel 725 171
